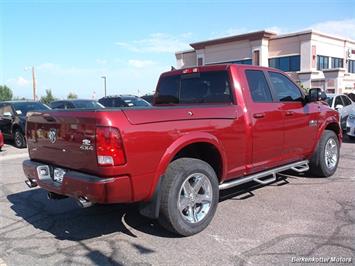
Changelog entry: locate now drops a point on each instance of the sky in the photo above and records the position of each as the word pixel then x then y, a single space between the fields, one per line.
pixel 72 44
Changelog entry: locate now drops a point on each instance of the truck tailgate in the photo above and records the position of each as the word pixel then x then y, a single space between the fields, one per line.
pixel 63 138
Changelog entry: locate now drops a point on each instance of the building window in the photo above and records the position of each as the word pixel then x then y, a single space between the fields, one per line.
pixel 322 62
pixel 200 61
pixel 286 63
pixel 351 66
pixel 242 62
pixel 337 62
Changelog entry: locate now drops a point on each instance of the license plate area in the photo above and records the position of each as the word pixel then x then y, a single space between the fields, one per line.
pixel 47 173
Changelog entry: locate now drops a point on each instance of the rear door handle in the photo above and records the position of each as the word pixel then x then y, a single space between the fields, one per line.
pixel 259 115
pixel 289 113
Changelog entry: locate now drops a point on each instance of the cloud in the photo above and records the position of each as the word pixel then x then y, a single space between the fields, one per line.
pixel 342 28
pixel 19 81
pixel 140 63
pixel 158 43
pixel 276 29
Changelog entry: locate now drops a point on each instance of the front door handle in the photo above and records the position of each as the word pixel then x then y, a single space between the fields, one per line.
pixel 289 113
pixel 259 115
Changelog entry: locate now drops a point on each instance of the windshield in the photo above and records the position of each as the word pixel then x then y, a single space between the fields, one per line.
pixel 132 101
pixel 87 105
pixel 329 100
pixel 22 108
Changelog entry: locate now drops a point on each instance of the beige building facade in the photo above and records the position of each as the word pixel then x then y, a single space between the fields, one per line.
pixel 313 59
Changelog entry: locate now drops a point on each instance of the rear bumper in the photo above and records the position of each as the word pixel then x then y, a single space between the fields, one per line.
pixel 78 185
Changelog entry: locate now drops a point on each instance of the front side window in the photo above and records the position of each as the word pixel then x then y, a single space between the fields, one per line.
pixel 286 90
pixel 258 86
pixel 322 62
pixel 205 87
pixel 338 101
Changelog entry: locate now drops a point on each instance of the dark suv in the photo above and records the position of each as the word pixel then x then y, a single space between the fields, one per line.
pixel 13 119
pixel 123 101
pixel 76 104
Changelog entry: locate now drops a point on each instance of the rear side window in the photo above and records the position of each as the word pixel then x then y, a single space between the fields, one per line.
pixel 205 87
pixel 258 86
pixel 57 105
pixel 346 100
pixel 286 90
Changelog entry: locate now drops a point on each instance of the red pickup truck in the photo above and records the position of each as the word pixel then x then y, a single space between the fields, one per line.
pixel 210 128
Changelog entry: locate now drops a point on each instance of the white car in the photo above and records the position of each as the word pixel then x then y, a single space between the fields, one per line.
pixel 343 104
pixel 350 126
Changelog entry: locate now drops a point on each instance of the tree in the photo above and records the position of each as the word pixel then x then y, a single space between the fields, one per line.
pixel 72 95
pixel 5 93
pixel 48 98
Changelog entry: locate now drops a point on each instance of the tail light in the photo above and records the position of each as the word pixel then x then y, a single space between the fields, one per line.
pixel 109 147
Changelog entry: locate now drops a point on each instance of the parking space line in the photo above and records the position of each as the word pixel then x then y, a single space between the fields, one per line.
pixel 13 156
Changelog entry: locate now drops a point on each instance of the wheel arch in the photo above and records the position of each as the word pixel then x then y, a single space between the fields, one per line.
pixel 190 145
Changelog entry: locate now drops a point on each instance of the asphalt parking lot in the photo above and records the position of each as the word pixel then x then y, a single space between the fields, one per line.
pixel 294 218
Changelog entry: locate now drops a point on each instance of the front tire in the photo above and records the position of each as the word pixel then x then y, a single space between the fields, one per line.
pixel 19 139
pixel 325 159
pixel 189 196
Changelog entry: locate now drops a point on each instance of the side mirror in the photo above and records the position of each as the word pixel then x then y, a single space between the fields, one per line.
pixel 7 115
pixel 339 106
pixel 315 95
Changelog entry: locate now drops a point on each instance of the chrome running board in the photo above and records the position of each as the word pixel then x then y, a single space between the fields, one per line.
pixel 299 167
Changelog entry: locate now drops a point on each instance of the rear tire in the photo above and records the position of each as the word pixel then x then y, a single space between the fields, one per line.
pixel 189 196
pixel 19 139
pixel 325 159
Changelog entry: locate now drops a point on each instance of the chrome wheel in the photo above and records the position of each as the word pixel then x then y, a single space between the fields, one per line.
pixel 195 198
pixel 331 153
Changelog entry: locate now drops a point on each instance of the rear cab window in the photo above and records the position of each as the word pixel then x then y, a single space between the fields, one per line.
pixel 202 87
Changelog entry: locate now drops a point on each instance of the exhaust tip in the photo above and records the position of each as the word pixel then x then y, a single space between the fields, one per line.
pixel 31 183
pixel 83 202
pixel 55 196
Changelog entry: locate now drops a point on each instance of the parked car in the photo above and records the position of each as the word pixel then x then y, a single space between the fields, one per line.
pixel 1 140
pixel 76 104
pixel 13 119
pixel 123 101
pixel 211 128
pixel 148 98
pixel 351 95
pixel 343 104
pixel 350 126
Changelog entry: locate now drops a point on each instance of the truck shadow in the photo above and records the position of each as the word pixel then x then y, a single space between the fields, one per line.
pixel 67 221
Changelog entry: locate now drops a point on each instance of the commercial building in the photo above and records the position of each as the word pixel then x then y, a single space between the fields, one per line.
pixel 314 59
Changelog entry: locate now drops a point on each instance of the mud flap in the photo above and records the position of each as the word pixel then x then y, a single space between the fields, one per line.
pixel 150 209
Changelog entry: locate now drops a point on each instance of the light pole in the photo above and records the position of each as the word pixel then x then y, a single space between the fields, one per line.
pixel 104 77
pixel 33 81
